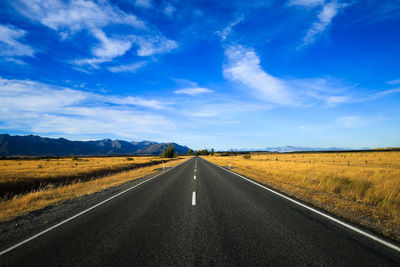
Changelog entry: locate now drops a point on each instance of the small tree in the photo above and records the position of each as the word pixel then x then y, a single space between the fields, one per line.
pixel 168 152
pixel 164 153
pixel 212 151
pixel 171 151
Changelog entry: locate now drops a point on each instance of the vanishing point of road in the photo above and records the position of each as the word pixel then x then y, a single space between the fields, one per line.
pixel 198 214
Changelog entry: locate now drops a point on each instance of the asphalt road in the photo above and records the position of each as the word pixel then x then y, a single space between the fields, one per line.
pixel 228 221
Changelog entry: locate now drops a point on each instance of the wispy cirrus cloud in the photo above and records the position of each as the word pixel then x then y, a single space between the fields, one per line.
pixel 225 32
pixel 193 91
pixel 227 109
pixel 68 18
pixel 133 68
pixel 325 16
pixel 106 50
pixel 243 66
pixel 169 10
pixel 306 3
pixel 190 88
pixel 42 108
pixel 378 11
pixel 393 82
pixel 109 48
pixel 144 3
pixel 11 45
pixel 153 44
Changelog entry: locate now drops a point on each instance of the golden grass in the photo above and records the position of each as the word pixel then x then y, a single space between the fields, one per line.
pixel 22 204
pixel 22 176
pixel 363 187
pixel 16 170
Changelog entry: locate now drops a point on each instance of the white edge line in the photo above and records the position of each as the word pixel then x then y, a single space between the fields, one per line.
pixel 82 212
pixel 194 198
pixel 375 238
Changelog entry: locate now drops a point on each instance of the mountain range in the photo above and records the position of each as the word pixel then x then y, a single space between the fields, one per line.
pixel 32 145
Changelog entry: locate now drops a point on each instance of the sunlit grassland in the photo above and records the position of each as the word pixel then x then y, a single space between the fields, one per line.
pixel 17 170
pixel 23 175
pixel 50 194
pixel 363 187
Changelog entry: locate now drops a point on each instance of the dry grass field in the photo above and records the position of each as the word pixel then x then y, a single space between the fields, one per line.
pixel 51 168
pixel 114 171
pixel 23 175
pixel 362 187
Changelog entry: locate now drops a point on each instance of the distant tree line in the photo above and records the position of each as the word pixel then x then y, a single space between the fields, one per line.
pixel 202 152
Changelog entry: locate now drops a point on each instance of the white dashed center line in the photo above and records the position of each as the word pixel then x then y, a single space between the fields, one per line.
pixel 194 199
pixel 194 177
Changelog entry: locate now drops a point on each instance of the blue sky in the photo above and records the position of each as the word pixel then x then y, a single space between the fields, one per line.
pixel 222 74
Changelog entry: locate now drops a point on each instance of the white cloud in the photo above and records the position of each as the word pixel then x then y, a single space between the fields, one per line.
pixel 328 90
pixel 376 95
pixel 109 48
pixel 334 100
pixel 10 46
pixel 33 96
pixel 37 96
pixel 306 3
pixel 193 91
pixel 98 121
pixel 135 101
pixel 144 3
pixel 227 109
pixel 243 65
pixel 93 62
pixel 154 44
pixel 169 10
pixel 128 68
pixel 328 12
pixel 72 16
pixel 348 121
pixel 227 30
pixel 185 82
pixel 42 108
pixel 394 82
pixel 69 17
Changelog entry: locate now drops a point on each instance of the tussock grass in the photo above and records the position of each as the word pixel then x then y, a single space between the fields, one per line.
pixel 363 187
pixel 22 176
pixel 16 170
pixel 24 203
